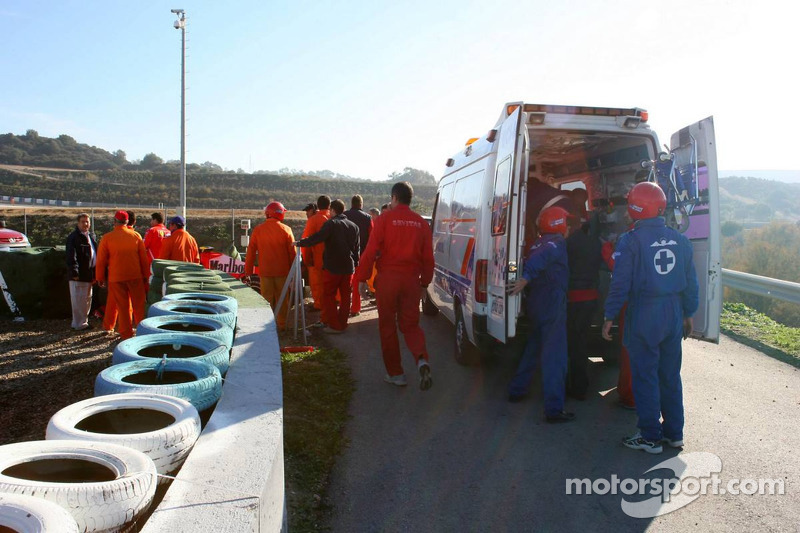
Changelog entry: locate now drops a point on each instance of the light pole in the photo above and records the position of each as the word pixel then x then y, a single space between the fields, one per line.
pixel 180 24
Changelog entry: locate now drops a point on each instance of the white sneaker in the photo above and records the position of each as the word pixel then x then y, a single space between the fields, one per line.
pixel 399 380
pixel 678 443
pixel 425 381
pixel 637 442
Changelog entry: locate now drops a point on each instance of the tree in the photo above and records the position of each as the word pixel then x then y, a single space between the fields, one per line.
pixel 730 228
pixel 151 161
pixel 119 157
pixel 413 176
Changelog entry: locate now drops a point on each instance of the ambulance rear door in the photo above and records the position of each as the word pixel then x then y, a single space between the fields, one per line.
pixel 697 197
pixel 501 317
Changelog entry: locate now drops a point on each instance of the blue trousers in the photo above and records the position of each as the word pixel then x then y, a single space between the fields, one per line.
pixel 546 345
pixel 653 334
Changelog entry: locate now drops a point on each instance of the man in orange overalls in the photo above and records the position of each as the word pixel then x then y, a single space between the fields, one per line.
pixel 179 246
pixel 122 267
pixel 312 256
pixel 110 311
pixel 272 242
pixel 401 241
pixel 154 237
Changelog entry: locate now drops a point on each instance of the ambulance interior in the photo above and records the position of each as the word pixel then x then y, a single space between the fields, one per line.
pixel 606 164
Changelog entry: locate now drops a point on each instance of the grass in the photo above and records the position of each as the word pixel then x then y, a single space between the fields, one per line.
pixel 317 387
pixel 761 332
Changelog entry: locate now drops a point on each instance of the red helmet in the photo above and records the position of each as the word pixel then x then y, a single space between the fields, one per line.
pixel 275 210
pixel 553 220
pixel 646 200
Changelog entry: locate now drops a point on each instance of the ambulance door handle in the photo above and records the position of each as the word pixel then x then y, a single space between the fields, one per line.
pixel 511 272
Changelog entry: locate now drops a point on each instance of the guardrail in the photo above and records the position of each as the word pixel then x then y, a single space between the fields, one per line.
pixel 762 286
pixel 43 202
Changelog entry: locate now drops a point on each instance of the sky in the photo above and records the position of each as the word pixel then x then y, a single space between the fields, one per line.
pixel 367 88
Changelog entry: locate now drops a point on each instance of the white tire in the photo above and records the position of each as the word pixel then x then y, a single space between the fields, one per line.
pixel 27 514
pixel 162 427
pixel 105 487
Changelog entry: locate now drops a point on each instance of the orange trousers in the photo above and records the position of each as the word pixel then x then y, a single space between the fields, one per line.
pixel 271 290
pixel 317 289
pixel 110 313
pixel 129 294
pixel 398 308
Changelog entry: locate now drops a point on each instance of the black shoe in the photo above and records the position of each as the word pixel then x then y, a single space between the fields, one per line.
pixel 516 398
pixel 560 417
pixel 425 381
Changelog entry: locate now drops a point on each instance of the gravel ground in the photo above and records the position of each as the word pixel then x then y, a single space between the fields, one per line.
pixel 45 366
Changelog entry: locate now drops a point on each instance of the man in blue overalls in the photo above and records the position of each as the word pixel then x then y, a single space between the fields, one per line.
pixel 547 274
pixel 654 272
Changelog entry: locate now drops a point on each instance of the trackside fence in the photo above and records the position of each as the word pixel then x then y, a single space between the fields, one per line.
pixel 762 286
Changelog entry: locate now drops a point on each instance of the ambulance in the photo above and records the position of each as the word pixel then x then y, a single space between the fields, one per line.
pixel 492 191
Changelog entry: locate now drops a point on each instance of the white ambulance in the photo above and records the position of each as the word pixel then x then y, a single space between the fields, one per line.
pixel 492 191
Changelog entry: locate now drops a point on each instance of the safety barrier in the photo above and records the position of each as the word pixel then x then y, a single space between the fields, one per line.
pixel 762 286
pixel 43 202
pixel 234 478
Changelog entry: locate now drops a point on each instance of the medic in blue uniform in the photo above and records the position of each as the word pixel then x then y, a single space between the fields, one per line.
pixel 546 274
pixel 654 272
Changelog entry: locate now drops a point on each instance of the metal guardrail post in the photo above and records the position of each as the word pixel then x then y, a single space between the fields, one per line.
pixel 762 286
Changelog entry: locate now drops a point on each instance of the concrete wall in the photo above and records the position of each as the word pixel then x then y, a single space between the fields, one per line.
pixel 233 479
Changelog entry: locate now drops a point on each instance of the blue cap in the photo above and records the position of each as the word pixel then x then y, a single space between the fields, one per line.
pixel 178 220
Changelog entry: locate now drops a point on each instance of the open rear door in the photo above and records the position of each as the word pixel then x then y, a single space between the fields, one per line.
pixel 695 153
pixel 501 319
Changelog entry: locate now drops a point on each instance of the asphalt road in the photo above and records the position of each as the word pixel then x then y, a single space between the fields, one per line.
pixel 461 458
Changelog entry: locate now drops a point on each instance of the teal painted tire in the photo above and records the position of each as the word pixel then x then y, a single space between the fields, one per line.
pixel 198 383
pixel 207 297
pixel 158 266
pixel 191 324
pixel 200 286
pixel 212 310
pixel 183 346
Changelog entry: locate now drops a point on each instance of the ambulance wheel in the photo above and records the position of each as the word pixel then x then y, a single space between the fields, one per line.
pixel 465 352
pixel 428 307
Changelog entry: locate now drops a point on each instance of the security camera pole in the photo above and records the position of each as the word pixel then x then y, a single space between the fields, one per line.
pixel 180 24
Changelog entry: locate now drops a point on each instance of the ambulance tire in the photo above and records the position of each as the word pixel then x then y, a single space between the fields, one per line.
pixel 19 512
pixel 207 297
pixel 428 307
pixel 124 492
pixel 466 353
pixel 212 350
pixel 166 442
pixel 217 311
pixel 193 324
pixel 203 391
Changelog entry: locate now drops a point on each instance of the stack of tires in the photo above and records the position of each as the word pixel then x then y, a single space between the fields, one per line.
pixel 103 457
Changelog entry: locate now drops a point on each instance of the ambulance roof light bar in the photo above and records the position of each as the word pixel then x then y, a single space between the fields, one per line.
pixel 642 114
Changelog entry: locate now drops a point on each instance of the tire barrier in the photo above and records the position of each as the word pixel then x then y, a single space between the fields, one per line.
pixel 175 346
pixel 194 324
pixel 200 286
pixel 158 266
pixel 173 277
pixel 212 310
pixel 221 299
pixel 162 427
pixel 103 486
pixel 182 268
pixel 29 514
pixel 198 383
pixel 195 278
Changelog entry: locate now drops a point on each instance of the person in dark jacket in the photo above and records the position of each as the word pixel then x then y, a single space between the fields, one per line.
pixel 585 258
pixel 338 264
pixel 81 258
pixel 364 222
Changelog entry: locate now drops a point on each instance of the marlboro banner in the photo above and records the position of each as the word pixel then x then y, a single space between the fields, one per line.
pixel 223 263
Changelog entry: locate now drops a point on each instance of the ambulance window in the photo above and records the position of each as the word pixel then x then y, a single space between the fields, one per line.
pixel 466 198
pixel 502 186
pixel 443 209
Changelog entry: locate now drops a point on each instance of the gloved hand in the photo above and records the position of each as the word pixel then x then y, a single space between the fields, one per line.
pixel 687 327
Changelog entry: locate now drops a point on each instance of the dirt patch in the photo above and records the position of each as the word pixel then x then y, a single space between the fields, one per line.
pixel 44 366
